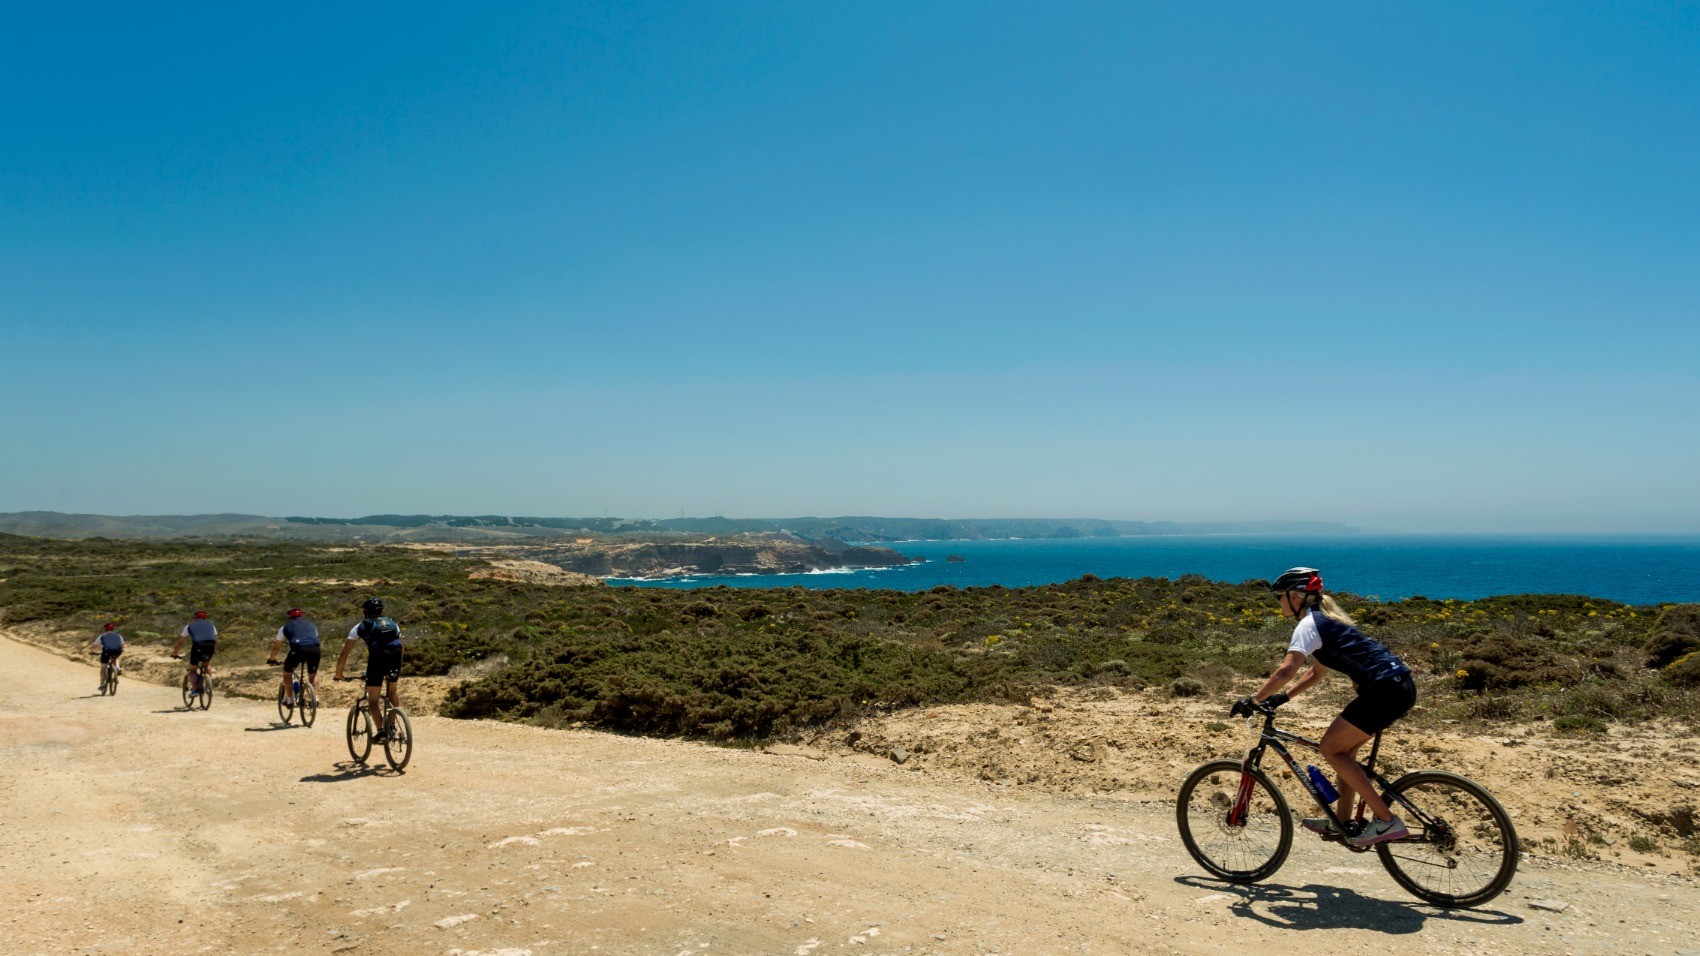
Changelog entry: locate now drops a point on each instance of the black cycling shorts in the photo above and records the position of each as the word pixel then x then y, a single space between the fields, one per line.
pixel 201 651
pixel 1379 704
pixel 107 657
pixel 382 663
pixel 302 655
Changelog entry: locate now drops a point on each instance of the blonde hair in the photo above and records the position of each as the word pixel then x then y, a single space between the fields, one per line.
pixel 1330 609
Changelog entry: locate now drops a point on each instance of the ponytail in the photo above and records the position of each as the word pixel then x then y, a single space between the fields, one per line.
pixel 1334 612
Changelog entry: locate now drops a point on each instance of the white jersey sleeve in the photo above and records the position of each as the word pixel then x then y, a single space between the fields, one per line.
pixel 354 633
pixel 184 632
pixel 279 634
pixel 1306 638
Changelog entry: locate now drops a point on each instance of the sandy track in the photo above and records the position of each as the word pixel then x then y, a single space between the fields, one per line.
pixel 135 827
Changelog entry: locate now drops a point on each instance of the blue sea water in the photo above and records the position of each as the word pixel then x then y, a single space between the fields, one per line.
pixel 1634 570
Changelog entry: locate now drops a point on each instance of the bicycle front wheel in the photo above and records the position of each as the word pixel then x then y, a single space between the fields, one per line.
pixel 359 732
pixel 1238 846
pixel 1462 850
pixel 309 705
pixel 398 744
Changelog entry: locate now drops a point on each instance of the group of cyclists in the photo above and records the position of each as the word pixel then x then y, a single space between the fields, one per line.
pixel 1323 633
pixel 380 634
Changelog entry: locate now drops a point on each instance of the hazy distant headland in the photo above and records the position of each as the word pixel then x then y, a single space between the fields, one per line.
pixel 622 547
pixel 498 528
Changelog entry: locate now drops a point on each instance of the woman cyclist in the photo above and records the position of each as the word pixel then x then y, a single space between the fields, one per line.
pixel 1330 638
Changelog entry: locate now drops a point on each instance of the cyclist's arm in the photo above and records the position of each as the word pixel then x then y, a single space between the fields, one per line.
pixel 180 639
pixel 277 645
pixel 1283 674
pixel 1317 672
pixel 342 658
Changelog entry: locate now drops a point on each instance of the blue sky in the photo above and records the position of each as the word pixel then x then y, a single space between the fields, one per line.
pixel 1422 268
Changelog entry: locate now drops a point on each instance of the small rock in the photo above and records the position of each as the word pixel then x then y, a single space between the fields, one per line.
pixel 1551 906
pixel 449 922
pixel 899 755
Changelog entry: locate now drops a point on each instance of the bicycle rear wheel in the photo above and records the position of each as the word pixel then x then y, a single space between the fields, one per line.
pixel 359 732
pixel 398 745
pixel 112 682
pixel 285 707
pixel 1242 850
pixel 1462 850
pixel 309 705
pixel 206 691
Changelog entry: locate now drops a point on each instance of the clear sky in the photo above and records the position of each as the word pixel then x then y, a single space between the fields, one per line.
pixel 1417 267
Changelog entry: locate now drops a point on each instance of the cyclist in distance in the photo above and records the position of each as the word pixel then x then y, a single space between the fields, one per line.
pixel 1330 638
pixel 303 638
pixel 111 646
pixel 203 643
pixel 382 637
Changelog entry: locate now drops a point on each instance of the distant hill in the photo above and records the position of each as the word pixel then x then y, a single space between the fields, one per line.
pixel 496 529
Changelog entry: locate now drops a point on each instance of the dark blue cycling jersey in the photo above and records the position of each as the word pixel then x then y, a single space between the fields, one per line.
pixel 300 632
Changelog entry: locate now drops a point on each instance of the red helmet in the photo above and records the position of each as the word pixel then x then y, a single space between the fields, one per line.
pixel 200 615
pixel 111 626
pixel 294 612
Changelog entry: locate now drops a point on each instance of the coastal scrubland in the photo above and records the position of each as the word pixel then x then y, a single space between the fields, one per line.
pixel 751 664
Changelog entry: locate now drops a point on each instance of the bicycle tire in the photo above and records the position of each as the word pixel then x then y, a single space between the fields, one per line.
pixel 398 745
pixel 112 682
pixel 359 732
pixel 105 678
pixel 309 706
pixel 188 701
pixel 206 691
pixel 285 709
pixel 1247 853
pixel 1466 857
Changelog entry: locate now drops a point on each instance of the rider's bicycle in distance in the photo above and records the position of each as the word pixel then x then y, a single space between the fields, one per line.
pixel 1462 850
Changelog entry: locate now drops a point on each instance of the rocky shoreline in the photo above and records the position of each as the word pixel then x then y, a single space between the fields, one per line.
pixel 764 554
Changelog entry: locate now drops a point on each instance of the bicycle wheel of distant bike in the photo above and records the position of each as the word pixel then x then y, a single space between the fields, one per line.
pixel 309 705
pixel 1235 824
pixel 398 743
pixel 359 732
pixel 1462 850
pixel 285 706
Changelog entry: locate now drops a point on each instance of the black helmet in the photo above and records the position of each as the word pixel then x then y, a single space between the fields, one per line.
pixel 373 607
pixel 1298 579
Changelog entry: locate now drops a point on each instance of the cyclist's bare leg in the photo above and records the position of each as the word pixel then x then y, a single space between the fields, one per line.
pixel 374 698
pixel 1340 748
pixel 283 685
pixel 395 699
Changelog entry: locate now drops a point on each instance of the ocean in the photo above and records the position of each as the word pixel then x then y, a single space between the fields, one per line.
pixel 1631 569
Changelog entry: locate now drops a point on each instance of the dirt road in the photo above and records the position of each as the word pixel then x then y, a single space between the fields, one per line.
pixel 132 826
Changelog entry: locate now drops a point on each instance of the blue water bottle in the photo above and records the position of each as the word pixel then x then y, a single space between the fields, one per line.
pixel 1323 787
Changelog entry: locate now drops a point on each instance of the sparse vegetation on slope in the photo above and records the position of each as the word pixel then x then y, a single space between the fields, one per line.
pixel 744 663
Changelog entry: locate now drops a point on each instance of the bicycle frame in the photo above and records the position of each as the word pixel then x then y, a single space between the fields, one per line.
pixel 1273 738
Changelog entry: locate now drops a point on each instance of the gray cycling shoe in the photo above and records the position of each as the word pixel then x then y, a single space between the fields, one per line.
pixel 1381 831
pixel 1321 825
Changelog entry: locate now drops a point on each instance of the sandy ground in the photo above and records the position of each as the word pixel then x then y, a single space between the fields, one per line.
pixel 133 826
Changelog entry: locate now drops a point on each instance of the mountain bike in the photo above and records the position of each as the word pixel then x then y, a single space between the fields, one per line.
pixel 1462 850
pixel 197 689
pixel 398 742
pixel 109 672
pixel 300 696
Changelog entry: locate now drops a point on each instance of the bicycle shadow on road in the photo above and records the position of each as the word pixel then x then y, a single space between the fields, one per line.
pixel 349 770
pixel 1333 907
pixel 271 727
